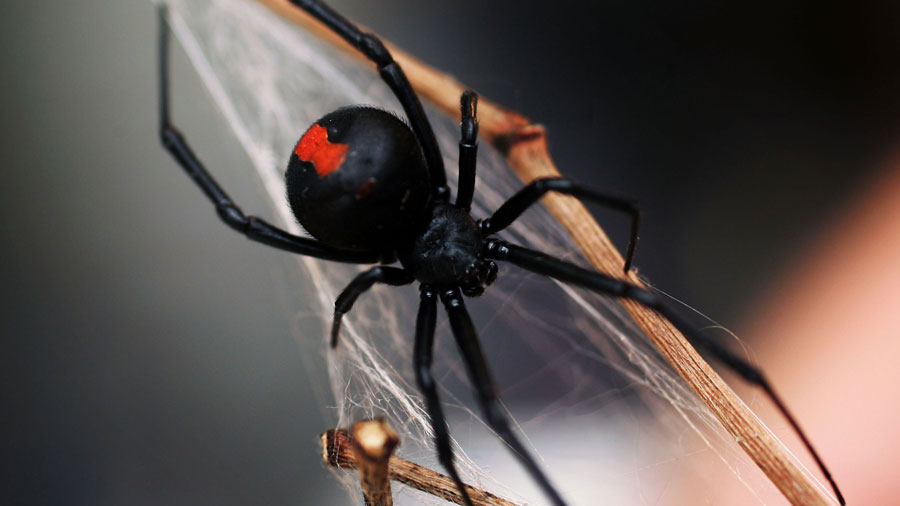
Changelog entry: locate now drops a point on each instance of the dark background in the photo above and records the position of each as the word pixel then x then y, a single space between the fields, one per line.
pixel 147 350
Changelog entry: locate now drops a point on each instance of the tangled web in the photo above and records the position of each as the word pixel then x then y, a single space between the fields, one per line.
pixel 609 419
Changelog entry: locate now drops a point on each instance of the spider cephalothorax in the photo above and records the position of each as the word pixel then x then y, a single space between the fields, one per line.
pixel 448 252
pixel 371 189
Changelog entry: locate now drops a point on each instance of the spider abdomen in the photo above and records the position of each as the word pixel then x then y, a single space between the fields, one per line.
pixel 357 180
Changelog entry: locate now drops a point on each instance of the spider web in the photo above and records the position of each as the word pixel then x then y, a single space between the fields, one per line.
pixel 608 418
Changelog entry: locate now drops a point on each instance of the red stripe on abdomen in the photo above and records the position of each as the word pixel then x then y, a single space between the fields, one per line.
pixel 314 147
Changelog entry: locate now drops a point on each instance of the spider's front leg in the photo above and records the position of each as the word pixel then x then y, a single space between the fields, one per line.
pixel 423 353
pixel 486 391
pixel 540 263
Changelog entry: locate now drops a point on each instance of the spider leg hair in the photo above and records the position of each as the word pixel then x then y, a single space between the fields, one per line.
pixel 532 193
pixel 423 353
pixel 373 49
pixel 468 149
pixel 540 263
pixel 480 377
pixel 254 228
pixel 362 282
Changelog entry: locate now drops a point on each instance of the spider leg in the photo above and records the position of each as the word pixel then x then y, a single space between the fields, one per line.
pixel 592 280
pixel 254 228
pixel 372 48
pixel 530 194
pixel 423 353
pixel 480 376
pixel 362 282
pixel 468 149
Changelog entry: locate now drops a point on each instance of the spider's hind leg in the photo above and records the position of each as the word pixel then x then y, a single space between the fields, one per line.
pixel 372 48
pixel 253 228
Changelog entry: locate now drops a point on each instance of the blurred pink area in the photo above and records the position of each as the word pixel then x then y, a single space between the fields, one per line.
pixel 828 336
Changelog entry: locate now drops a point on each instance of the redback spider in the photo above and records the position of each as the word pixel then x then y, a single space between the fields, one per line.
pixel 371 189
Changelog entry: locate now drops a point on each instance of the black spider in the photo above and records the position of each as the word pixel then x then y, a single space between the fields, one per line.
pixel 372 190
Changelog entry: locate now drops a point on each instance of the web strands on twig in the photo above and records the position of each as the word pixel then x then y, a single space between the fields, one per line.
pixel 613 424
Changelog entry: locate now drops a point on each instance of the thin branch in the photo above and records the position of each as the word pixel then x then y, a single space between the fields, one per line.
pixel 338 451
pixel 525 147
pixel 374 441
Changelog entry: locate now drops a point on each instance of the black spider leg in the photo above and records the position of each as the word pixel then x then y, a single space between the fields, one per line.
pixel 531 193
pixel 372 48
pixel 480 377
pixel 362 282
pixel 422 356
pixel 468 149
pixel 254 228
pixel 544 264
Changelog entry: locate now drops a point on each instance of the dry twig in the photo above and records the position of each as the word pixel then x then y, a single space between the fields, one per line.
pixel 525 147
pixel 373 442
pixel 338 450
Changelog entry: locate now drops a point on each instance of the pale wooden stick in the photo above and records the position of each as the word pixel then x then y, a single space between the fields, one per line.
pixel 525 147
pixel 338 451
pixel 374 441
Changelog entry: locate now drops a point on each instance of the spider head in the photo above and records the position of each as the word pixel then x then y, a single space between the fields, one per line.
pixel 478 275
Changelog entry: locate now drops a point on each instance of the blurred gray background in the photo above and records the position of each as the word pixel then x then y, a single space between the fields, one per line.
pixel 148 352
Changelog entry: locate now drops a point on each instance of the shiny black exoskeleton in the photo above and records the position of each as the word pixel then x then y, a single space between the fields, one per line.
pixel 449 251
pixel 358 180
pixel 371 189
